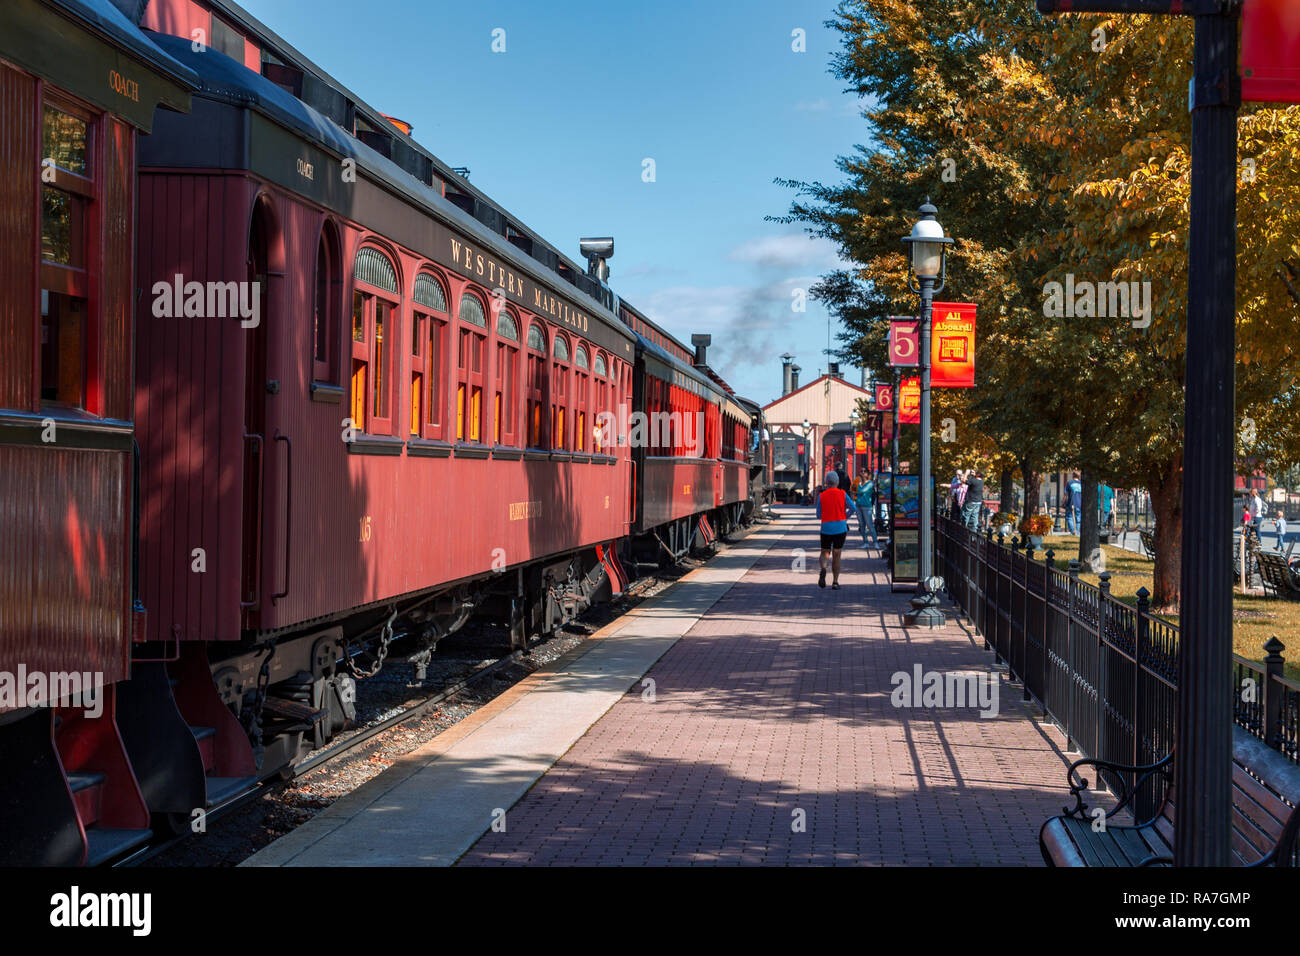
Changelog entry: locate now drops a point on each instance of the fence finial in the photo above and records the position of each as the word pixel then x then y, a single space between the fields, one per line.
pixel 1275 649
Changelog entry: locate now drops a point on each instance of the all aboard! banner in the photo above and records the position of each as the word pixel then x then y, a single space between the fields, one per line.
pixel 952 345
pixel 909 402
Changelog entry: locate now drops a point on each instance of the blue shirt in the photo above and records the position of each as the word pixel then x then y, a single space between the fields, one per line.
pixel 1076 494
pixel 837 527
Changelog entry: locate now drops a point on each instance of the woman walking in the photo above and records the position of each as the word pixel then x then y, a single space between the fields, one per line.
pixel 834 507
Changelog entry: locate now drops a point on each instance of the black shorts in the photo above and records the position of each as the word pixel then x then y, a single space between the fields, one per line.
pixel 835 541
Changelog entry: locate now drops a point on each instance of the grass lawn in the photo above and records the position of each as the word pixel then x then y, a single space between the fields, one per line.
pixel 1254 618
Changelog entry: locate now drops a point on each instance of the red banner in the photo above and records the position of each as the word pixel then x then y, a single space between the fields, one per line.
pixel 909 402
pixel 884 398
pixel 952 345
pixel 904 343
pixel 1270 51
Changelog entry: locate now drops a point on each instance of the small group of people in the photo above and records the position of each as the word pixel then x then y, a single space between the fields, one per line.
pixel 1074 510
pixel 967 496
pixel 834 507
pixel 1252 519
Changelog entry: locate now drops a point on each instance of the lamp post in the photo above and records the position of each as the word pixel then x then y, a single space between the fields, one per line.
pixel 929 267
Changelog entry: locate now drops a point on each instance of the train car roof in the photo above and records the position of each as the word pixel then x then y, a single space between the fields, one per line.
pixel 653 353
pixel 108 19
pixel 221 78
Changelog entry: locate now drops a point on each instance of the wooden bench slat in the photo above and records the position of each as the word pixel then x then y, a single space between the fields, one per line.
pixel 1253 801
pixel 1088 848
pixel 1130 842
pixel 1157 844
pixel 1259 791
pixel 1244 850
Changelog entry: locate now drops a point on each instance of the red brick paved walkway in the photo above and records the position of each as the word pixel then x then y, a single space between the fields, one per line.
pixel 778 701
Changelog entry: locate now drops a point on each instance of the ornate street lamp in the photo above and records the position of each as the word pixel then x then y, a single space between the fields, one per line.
pixel 929 269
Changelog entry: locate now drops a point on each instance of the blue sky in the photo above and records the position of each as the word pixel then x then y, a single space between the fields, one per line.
pixel 556 129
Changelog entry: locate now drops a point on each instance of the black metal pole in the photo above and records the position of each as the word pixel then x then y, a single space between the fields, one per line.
pixel 898 401
pixel 1203 735
pixel 927 612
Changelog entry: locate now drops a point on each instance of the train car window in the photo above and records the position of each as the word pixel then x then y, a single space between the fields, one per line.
pixel 471 310
pixel 504 413
pixel 428 345
pixel 600 403
pixel 535 385
pixel 326 308
pixel 471 349
pixel 581 397
pixel 559 393
pixel 537 339
pixel 376 304
pixel 67 237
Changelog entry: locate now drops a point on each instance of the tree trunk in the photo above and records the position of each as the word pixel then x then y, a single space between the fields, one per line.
pixel 1008 503
pixel 1029 474
pixel 1166 490
pixel 1089 541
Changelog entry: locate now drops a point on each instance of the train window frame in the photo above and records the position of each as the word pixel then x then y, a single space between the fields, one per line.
pixel 536 386
pixel 505 378
pixel 560 398
pixel 470 385
pixel 428 373
pixel 327 314
pixel 581 395
pixel 600 404
pixel 78 281
pixel 369 352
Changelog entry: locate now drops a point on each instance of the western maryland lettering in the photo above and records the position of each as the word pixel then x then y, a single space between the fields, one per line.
pixel 477 265
pixel 559 310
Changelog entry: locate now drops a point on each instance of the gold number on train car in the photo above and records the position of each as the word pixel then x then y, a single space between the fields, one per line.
pixel 365 529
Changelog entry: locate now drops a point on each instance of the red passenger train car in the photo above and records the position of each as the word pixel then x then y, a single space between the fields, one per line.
pixel 79 86
pixel 369 405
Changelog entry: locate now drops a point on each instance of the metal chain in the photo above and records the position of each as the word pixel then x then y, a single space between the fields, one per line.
pixel 385 638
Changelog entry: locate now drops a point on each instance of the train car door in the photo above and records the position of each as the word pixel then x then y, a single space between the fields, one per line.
pixel 254 423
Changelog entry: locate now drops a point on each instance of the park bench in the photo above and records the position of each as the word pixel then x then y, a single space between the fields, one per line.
pixel 1278 576
pixel 1148 539
pixel 1265 818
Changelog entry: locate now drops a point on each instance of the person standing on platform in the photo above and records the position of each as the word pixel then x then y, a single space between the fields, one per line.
pixel 1256 511
pixel 866 502
pixel 974 500
pixel 956 488
pixel 1075 488
pixel 1107 507
pixel 1280 528
pixel 833 508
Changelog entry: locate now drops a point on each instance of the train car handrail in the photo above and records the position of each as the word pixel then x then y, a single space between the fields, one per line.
pixel 288 512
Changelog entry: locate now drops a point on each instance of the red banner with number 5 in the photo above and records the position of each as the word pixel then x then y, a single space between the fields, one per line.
pixel 904 343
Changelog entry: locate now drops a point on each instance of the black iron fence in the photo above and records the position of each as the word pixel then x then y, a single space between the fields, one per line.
pixel 1105 672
